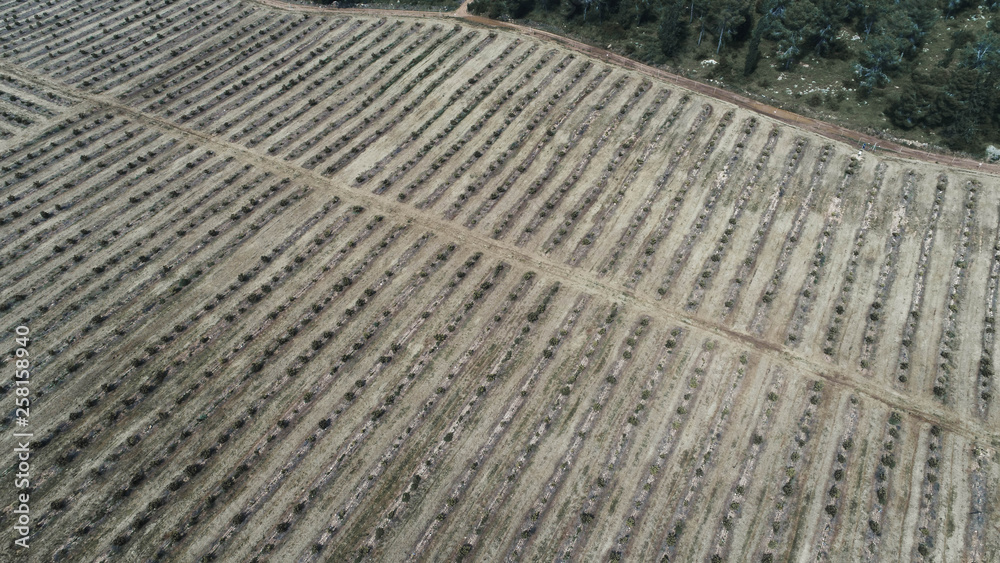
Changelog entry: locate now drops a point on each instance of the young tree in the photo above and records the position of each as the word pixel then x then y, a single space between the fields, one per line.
pixel 788 49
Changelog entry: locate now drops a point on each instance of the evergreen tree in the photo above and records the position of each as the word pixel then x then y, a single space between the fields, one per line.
pixel 897 26
pixel 923 13
pixel 728 16
pixel 673 29
pixel 827 19
pixel 584 8
pixel 870 15
pixel 700 9
pixel 953 7
pixel 796 26
pixel 970 100
pixel 635 12
pixel 983 54
pixel 774 10
pixel 914 107
pixel 880 56
pixel 753 49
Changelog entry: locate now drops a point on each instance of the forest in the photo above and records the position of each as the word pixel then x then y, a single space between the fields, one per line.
pixel 878 50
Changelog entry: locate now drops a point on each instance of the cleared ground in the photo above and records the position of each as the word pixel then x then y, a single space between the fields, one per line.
pixel 308 286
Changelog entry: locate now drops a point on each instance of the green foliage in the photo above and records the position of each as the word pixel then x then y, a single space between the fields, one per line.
pixel 963 102
pixel 796 28
pixel 958 103
pixel 502 9
pixel 728 17
pixel 829 16
pixel 915 106
pixel 882 55
pixel 983 54
pixel 753 52
pixel 672 30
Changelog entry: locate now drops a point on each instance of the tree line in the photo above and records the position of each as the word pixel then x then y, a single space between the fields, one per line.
pixel 959 100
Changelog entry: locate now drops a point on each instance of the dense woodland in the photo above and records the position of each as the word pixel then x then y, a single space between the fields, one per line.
pixel 959 99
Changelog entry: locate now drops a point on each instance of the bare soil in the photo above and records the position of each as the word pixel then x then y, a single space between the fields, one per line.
pixel 306 284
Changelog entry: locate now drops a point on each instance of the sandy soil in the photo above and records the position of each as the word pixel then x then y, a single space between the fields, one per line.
pixel 307 284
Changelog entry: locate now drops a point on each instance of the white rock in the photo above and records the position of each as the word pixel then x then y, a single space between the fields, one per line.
pixel 992 153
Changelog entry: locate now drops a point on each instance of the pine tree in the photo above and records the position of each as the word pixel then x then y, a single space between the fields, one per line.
pixel 673 29
pixel 882 54
pixel 727 16
pixel 753 50
pixel 983 54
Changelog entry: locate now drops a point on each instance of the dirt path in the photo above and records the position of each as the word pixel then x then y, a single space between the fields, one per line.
pixel 926 409
pixel 825 129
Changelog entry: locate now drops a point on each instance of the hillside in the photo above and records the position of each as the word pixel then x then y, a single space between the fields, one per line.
pixel 319 285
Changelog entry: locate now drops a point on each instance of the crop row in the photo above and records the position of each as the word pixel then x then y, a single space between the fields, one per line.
pixel 581 432
pixel 949 343
pixel 985 367
pixel 738 490
pixel 797 452
pixel 465 110
pixel 844 456
pixel 711 266
pixel 501 427
pixel 882 486
pixel 542 426
pixel 514 147
pixel 665 224
pixel 593 195
pixel 484 116
pixel 501 229
pixel 608 211
pixel 616 457
pixel 703 462
pixel 920 281
pixel 683 251
pixel 887 273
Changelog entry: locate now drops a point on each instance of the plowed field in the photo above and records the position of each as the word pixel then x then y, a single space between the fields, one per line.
pixel 331 286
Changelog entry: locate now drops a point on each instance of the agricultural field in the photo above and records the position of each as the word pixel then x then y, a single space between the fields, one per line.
pixel 336 286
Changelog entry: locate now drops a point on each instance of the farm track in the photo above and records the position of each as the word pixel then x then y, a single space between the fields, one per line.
pixel 307 285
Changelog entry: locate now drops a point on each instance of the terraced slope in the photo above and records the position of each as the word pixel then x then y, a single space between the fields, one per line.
pixel 334 286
